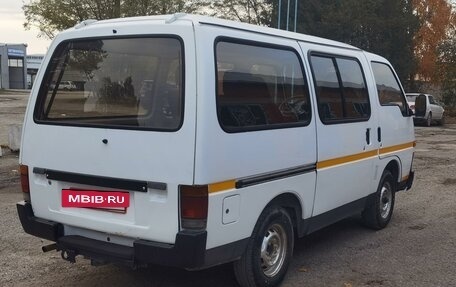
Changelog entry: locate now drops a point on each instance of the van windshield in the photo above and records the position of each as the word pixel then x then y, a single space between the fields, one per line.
pixel 118 83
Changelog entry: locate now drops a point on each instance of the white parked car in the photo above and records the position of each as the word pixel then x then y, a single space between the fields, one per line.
pixel 426 108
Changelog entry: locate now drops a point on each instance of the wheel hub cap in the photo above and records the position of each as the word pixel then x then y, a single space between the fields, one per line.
pixel 273 250
pixel 386 198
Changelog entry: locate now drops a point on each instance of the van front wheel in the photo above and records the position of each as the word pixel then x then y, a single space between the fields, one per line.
pixel 268 254
pixel 379 210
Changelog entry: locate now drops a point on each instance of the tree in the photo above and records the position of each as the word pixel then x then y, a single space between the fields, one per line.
pixel 161 7
pixel 384 27
pixel 446 66
pixel 51 16
pixel 250 11
pixel 435 21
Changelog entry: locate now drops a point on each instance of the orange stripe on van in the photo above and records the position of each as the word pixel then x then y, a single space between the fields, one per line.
pixel 221 186
pixel 346 159
pixel 231 184
pixel 397 147
pixel 363 155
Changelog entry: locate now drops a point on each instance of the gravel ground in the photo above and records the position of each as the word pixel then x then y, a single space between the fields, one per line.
pixel 12 109
pixel 418 248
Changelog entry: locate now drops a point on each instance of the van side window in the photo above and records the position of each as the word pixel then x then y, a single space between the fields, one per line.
pixel 389 91
pixel 341 89
pixel 259 87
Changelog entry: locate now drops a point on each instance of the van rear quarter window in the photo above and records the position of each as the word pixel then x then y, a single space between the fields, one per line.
pixel 134 83
pixel 388 88
pixel 259 87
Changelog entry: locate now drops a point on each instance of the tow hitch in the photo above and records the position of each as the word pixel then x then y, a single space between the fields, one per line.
pixel 69 255
pixel 49 247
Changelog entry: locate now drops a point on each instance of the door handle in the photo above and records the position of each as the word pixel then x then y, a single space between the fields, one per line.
pixel 379 134
pixel 368 136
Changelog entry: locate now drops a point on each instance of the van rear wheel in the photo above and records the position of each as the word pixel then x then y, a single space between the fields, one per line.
pixel 379 210
pixel 268 254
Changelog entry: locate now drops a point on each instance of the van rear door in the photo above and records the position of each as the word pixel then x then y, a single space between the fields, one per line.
pixel 126 127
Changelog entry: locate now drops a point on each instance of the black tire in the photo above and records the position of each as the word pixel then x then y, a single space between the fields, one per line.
pixel 378 212
pixel 273 233
pixel 429 120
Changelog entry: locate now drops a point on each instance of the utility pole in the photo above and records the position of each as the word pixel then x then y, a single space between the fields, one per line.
pixel 280 12
pixel 296 14
pixel 279 15
pixel 248 9
pixel 117 9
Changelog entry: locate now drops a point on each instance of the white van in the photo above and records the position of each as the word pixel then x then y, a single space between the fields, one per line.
pixel 198 141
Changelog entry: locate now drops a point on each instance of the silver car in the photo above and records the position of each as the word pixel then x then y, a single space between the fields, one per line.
pixel 426 108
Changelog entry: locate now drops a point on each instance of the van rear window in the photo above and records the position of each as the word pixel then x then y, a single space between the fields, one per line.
pixel 116 83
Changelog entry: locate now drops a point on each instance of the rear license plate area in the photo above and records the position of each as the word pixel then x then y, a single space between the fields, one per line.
pixel 114 201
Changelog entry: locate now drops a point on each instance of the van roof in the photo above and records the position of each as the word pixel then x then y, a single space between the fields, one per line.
pixel 205 20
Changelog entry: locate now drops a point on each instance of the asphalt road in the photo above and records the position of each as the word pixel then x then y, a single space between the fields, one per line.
pixel 418 248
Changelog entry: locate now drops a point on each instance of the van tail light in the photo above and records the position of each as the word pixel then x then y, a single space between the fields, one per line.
pixel 25 184
pixel 193 206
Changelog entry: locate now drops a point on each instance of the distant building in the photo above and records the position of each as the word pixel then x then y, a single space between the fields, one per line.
pixel 13 67
pixel 33 64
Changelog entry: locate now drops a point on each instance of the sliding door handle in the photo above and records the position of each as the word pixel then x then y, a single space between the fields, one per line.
pixel 368 137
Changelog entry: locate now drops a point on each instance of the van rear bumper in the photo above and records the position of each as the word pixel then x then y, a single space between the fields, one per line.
pixel 188 251
pixel 36 226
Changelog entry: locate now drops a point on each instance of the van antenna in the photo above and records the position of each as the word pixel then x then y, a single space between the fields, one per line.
pixel 85 23
pixel 175 17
